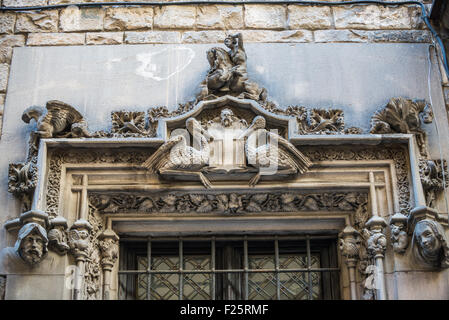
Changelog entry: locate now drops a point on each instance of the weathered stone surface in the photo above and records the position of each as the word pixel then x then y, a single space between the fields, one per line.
pixel 7 21
pixel 446 96
pixel 54 39
pixel 104 38
pixel 301 17
pixel 339 36
pixel 174 17
pixel 45 21
pixel 128 18
pixel 372 17
pixel 277 36
pixel 399 36
pixel 265 16
pixel 7 42
pixel 415 18
pixel 2 107
pixel 24 3
pixel 74 19
pixel 4 72
pixel 372 36
pixel 219 17
pixel 203 36
pixel 153 37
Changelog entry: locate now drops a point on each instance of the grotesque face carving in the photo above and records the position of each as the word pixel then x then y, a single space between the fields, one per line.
pixel 226 117
pixel 31 244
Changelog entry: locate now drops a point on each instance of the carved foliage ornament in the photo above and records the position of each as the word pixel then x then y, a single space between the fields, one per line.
pixel 434 176
pixel 402 115
pixel 227 203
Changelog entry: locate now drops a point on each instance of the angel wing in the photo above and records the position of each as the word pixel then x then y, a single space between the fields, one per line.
pixel 61 115
pixel 162 155
pixel 300 161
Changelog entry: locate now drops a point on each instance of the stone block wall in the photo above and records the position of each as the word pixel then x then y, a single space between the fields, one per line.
pixel 203 23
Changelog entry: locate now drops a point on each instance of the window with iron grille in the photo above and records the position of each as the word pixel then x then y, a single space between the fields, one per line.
pixel 248 268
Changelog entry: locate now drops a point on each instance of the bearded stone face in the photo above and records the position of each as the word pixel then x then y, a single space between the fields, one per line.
pixel 226 118
pixel 32 248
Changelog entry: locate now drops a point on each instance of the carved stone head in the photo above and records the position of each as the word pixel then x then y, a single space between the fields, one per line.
pixel 31 244
pixel 427 115
pixel 226 117
pixel 430 244
pixel 33 112
pixel 230 41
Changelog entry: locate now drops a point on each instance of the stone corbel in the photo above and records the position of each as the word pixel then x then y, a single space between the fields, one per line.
pixel 109 253
pixel 429 243
pixel 32 240
pixel 349 245
pixel 57 236
pixel 398 227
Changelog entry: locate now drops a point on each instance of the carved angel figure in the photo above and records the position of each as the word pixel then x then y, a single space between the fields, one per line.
pixel 57 120
pixel 403 116
pixel 271 153
pixel 176 156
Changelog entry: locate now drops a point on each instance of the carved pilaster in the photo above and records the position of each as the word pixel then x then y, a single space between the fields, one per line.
pixel 349 244
pixel 377 245
pixel 109 253
pixel 79 240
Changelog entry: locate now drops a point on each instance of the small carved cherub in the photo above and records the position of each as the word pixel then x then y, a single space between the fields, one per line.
pixel 430 244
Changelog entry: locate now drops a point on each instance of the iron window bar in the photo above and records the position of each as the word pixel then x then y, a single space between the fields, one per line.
pixel 245 271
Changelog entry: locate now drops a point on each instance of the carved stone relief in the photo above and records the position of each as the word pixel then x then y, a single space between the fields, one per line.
pixel 434 176
pixel 388 152
pixel 57 120
pixel 226 203
pixel 402 115
pixel 31 244
pixel 22 179
pixel 430 244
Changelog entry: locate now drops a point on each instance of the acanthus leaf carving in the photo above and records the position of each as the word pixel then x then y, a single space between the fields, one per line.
pixel 402 115
pixel 226 203
pixel 22 180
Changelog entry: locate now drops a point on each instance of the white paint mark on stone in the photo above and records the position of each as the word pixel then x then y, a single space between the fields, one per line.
pixel 164 64
pixel 260 69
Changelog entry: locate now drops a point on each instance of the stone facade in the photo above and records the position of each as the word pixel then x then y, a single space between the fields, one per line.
pixel 55 188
